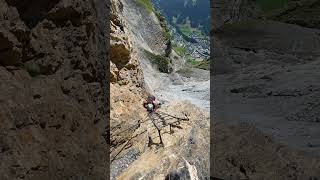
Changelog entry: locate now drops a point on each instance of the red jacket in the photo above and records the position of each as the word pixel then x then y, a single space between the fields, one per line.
pixel 155 104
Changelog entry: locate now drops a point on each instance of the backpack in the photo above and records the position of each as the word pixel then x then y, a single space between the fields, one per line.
pixel 150 107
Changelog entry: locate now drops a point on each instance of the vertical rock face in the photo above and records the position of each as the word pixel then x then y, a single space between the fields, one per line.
pixel 52 97
pixel 127 85
pixel 185 140
pixel 301 12
pixel 304 13
pixel 228 11
pixel 145 27
pixel 264 76
pixel 124 61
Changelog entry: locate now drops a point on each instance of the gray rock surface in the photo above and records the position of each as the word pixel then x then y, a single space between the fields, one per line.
pixel 52 98
pixel 241 151
pixel 230 11
pixel 186 141
pixel 265 99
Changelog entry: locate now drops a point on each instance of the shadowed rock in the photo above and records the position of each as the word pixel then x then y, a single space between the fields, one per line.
pixel 33 11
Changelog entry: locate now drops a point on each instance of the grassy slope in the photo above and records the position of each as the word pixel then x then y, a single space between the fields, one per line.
pixel 191 62
pixel 162 62
pixel 180 50
pixel 188 30
pixel 147 4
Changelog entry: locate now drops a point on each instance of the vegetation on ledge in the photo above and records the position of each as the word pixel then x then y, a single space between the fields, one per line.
pixel 180 50
pixel 204 65
pixel 147 4
pixel 162 62
pixel 188 30
pixel 164 25
pixel 191 62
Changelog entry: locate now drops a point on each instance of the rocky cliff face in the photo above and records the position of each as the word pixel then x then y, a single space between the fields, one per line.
pixel 304 13
pixel 240 151
pixel 229 11
pixel 134 30
pixel 145 28
pixel 184 153
pixel 127 85
pixel 124 61
pixel 301 12
pixel 265 75
pixel 53 102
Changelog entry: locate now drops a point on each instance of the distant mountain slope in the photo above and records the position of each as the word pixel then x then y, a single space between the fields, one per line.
pixel 178 11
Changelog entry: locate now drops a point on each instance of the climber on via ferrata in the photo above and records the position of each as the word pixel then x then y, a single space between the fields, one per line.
pixel 151 104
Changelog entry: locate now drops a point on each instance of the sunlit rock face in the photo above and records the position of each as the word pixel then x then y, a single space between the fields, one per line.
pixel 185 145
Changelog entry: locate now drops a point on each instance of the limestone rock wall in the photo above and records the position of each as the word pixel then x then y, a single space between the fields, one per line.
pixel 53 57
pixel 265 76
pixel 127 84
pixel 229 11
